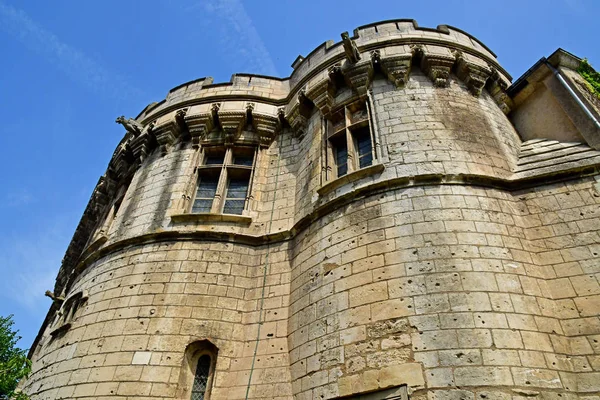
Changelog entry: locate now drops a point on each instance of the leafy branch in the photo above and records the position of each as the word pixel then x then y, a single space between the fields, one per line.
pixel 591 77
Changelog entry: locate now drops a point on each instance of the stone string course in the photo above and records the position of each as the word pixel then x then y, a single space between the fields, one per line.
pixel 412 276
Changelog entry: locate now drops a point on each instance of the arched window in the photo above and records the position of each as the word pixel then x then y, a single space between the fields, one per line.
pixel 198 371
pixel 201 377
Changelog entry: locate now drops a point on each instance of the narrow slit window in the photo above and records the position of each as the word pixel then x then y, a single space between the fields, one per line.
pixel 237 191
pixel 207 189
pixel 201 378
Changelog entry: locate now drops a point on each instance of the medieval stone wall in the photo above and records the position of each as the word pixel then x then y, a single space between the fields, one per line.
pixel 461 265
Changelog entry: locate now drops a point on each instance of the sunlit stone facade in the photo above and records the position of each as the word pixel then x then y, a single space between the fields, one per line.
pixel 394 220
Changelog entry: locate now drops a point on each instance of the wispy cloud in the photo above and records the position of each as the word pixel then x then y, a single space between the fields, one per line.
pixel 74 63
pixel 238 36
pixel 17 198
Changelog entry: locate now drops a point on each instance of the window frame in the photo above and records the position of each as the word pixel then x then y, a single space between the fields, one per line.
pixel 343 127
pixel 225 172
pixel 187 376
pixel 67 313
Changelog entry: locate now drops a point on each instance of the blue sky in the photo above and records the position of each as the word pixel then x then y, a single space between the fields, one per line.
pixel 70 68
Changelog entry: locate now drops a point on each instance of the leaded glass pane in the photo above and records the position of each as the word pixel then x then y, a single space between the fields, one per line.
pixel 236 195
pixel 201 378
pixel 237 188
pixel 366 160
pixel 201 206
pixel 234 207
pixel 363 142
pixel 341 158
pixel 207 188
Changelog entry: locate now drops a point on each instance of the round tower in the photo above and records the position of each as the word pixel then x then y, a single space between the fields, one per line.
pixel 361 229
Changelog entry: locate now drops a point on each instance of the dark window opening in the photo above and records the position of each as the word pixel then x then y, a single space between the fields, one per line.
pixel 243 157
pixel 201 378
pixel 215 157
pixel 341 155
pixel 363 145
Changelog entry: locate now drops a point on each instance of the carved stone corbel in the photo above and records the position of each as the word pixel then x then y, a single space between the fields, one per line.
pixel 298 114
pixel 322 94
pixel 474 75
pixel 166 134
pixel 231 123
pixel 266 126
pixel 436 66
pixel 397 68
pixel 101 195
pixel 199 126
pixel 180 119
pixel 359 76
pixel 140 145
pixel 121 160
pixel 496 86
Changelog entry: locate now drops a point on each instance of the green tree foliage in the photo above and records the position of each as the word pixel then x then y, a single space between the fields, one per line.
pixel 14 364
pixel 591 76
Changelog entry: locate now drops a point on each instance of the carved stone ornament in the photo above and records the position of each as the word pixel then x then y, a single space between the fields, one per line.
pixel 437 68
pixel 359 76
pixel 266 127
pixel 298 114
pixel 199 126
pixel 397 68
pixel 350 48
pixel 231 122
pixel 121 160
pixel 140 145
pixel 322 94
pixel 474 75
pixel 131 125
pixel 496 86
pixel 167 133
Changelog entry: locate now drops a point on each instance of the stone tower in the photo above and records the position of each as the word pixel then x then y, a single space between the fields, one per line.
pixel 394 220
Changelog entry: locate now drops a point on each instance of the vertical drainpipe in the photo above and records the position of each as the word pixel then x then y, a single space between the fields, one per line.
pixel 564 83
